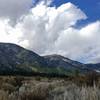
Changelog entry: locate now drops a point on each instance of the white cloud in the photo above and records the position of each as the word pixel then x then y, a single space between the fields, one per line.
pixel 8 33
pixel 14 9
pixel 43 27
pixel 48 30
pixel 91 29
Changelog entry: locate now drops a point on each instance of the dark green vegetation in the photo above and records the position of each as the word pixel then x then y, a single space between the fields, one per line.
pixel 15 60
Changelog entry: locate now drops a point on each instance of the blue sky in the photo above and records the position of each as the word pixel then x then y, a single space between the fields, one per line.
pixel 90 7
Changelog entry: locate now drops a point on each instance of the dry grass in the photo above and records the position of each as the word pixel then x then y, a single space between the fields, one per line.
pixel 38 88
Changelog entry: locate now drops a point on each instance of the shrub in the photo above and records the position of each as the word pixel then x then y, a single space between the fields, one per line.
pixel 3 95
pixel 73 92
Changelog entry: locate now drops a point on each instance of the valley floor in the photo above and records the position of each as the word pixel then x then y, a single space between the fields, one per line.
pixel 43 88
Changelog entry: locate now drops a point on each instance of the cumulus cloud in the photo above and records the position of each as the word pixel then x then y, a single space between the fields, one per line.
pixel 8 33
pixel 14 9
pixel 45 24
pixel 50 30
pixel 80 44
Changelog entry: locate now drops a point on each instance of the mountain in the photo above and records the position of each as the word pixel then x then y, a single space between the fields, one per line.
pixel 17 60
pixel 95 67
pixel 60 61
pixel 65 64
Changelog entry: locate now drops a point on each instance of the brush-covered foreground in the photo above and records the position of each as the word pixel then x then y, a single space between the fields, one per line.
pixel 43 88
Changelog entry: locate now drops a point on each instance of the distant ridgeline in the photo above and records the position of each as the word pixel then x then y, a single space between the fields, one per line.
pixel 15 60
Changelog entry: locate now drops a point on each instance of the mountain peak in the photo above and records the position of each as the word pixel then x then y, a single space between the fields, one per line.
pixel 15 59
pixel 56 57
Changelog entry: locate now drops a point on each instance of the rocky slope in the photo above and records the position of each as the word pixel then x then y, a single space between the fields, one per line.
pixel 17 60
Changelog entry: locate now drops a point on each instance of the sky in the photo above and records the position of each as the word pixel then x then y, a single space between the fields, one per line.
pixel 70 28
pixel 90 7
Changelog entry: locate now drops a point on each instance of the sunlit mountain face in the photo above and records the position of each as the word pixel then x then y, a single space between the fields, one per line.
pixel 64 27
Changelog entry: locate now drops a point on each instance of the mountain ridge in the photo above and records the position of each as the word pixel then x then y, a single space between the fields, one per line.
pixel 16 59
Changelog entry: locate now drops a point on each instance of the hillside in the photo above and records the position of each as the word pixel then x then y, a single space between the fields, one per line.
pixel 17 60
